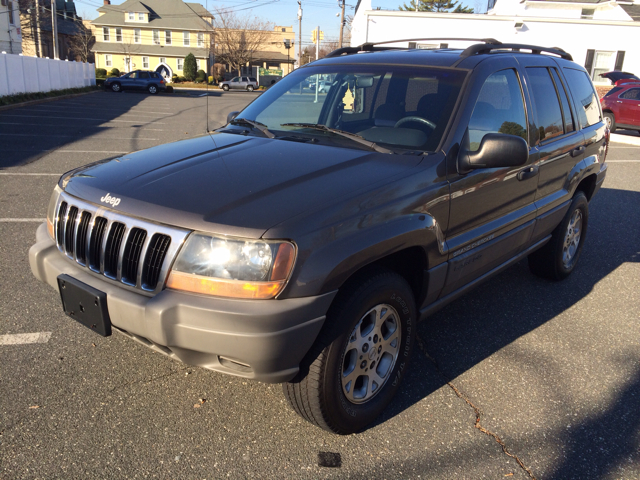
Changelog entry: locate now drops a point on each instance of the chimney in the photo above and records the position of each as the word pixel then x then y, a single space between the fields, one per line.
pixel 107 2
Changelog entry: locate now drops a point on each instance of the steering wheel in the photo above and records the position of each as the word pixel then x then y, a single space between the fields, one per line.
pixel 415 119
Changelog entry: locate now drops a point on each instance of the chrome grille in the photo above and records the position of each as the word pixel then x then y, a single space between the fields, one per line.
pixel 132 252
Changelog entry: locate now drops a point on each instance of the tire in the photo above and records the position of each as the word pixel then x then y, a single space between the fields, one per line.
pixel 152 89
pixel 249 88
pixel 225 88
pixel 610 119
pixel 317 392
pixel 116 87
pixel 559 257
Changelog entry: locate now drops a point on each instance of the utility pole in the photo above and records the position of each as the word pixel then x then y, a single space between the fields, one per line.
pixel 54 29
pixel 299 33
pixel 342 22
pixel 318 43
pixel 39 35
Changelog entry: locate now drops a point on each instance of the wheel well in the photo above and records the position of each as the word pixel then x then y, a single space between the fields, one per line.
pixel 587 186
pixel 409 263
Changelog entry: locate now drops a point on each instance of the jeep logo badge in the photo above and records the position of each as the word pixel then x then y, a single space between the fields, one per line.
pixel 113 201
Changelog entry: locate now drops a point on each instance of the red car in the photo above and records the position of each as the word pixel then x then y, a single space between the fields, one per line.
pixel 621 106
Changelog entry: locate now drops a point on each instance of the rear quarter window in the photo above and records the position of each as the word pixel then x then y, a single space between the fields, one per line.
pixel 613 91
pixel 584 96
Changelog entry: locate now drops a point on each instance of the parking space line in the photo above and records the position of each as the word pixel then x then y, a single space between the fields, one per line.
pixel 97 126
pixel 21 220
pixel 76 136
pixel 34 174
pixel 22 338
pixel 622 161
pixel 106 120
pixel 22 150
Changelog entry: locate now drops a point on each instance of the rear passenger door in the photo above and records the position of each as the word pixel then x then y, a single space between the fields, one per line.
pixel 629 107
pixel 492 211
pixel 143 81
pixel 559 141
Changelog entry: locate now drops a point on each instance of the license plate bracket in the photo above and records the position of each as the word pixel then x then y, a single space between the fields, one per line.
pixel 85 304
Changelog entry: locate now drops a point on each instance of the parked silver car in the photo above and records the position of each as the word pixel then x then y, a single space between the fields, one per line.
pixel 240 83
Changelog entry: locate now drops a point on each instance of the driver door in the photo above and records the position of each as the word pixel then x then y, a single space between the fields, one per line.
pixel 492 210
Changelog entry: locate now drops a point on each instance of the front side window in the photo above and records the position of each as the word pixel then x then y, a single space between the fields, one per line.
pixel 156 37
pixel 136 35
pixel 236 79
pixel 180 61
pixel 200 39
pixel 198 64
pixel 584 96
pixel 107 60
pixel 145 62
pixel 369 101
pixel 185 38
pixel 548 113
pixel 499 109
pixel 167 37
pixel 105 34
pixel 118 35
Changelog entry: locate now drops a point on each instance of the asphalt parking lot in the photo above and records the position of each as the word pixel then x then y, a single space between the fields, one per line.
pixel 522 378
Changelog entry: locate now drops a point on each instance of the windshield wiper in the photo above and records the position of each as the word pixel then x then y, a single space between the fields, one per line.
pixel 260 126
pixel 342 133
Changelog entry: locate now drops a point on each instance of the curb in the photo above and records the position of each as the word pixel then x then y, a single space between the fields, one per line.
pixel 45 100
pixel 626 139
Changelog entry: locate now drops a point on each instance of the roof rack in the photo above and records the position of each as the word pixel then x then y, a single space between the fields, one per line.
pixel 370 46
pixel 516 47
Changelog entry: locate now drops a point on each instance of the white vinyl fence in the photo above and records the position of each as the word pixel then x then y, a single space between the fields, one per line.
pixel 19 74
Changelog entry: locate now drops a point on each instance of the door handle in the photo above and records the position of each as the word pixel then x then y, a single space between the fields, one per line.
pixel 528 173
pixel 577 151
pixel 618 101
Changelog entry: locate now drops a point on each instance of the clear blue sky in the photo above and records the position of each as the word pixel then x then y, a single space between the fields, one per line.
pixel 284 12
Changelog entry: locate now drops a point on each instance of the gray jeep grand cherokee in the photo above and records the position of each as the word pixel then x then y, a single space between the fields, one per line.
pixel 302 242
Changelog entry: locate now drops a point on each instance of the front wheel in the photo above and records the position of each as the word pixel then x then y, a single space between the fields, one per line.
pixel 359 359
pixel 558 258
pixel 116 87
pixel 225 88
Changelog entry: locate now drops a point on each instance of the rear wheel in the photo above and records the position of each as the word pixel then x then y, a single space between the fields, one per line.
pixel 557 259
pixel 116 87
pixel 249 88
pixel 152 89
pixel 610 120
pixel 359 359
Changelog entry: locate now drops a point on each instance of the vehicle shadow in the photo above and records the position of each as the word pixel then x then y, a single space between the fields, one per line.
pixel 515 303
pixel 31 132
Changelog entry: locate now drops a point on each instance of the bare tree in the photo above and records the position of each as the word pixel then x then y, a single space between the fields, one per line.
pixel 128 49
pixel 238 38
pixel 82 43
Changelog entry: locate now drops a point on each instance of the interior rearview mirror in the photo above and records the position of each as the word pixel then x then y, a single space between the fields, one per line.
pixel 231 116
pixel 364 82
pixel 496 150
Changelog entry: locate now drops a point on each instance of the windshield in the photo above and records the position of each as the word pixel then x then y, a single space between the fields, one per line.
pixel 399 107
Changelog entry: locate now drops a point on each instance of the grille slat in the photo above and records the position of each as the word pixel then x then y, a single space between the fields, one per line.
pixel 69 231
pixel 132 252
pixel 154 259
pixel 112 249
pixel 81 238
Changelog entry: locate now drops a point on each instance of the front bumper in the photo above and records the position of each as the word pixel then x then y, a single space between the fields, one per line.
pixel 259 339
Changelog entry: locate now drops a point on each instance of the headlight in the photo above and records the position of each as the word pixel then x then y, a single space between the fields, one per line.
pixel 228 267
pixel 51 211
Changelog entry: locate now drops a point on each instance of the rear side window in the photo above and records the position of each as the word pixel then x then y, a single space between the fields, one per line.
pixel 549 115
pixel 153 75
pixel 499 109
pixel 144 74
pixel 584 96
pixel 632 94
pixel 564 102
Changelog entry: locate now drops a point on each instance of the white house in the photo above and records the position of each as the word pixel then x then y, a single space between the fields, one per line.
pixel 602 35
pixel 10 35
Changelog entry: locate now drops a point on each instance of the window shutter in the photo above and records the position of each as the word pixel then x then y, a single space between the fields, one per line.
pixel 619 61
pixel 444 45
pixel 589 61
pixel 412 45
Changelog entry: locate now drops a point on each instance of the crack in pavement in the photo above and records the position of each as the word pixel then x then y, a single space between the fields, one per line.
pixel 475 409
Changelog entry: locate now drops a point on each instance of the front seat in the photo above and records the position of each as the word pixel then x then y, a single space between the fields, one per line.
pixel 388 114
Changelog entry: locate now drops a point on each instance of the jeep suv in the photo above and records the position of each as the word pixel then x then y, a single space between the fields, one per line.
pixel 303 241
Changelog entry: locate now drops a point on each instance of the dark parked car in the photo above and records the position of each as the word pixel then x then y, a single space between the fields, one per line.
pixel 617 78
pixel 140 80
pixel 621 107
pixel 240 83
pixel 303 241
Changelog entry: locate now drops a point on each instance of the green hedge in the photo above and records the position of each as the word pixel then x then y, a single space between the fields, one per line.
pixel 101 72
pixel 115 72
pixel 26 97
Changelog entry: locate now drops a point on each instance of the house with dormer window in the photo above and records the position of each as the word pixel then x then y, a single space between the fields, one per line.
pixel 152 35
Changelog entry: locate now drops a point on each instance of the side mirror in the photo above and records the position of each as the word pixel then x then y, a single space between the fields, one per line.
pixel 231 116
pixel 496 150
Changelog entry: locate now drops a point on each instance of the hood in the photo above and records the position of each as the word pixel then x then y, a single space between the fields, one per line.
pixel 232 184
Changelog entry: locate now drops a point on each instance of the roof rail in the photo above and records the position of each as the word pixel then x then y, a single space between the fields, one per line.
pixel 370 46
pixel 487 48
